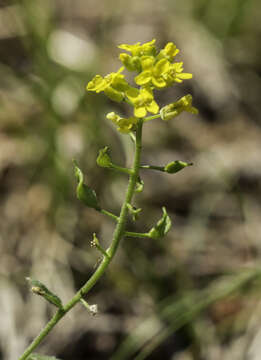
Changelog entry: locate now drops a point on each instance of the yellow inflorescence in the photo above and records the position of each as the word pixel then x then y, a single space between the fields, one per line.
pixel 156 70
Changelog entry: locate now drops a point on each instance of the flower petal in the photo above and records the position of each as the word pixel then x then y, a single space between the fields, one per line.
pixel 184 76
pixel 153 107
pixel 147 62
pixel 143 78
pixel 159 82
pixel 98 84
pixel 132 94
pixel 161 67
pixel 140 111
pixel 114 94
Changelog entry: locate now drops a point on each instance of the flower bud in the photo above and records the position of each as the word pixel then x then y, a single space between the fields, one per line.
pixel 132 63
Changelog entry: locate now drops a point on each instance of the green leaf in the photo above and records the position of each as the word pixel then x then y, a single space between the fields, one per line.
pixel 163 226
pixel 103 158
pixel 41 357
pixel 84 192
pixel 176 166
pixel 40 289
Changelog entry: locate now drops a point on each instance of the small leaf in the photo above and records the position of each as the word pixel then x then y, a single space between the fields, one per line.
pixel 40 289
pixel 163 226
pixel 41 357
pixel 84 192
pixel 176 166
pixel 103 158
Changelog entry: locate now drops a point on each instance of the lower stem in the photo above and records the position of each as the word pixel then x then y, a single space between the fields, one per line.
pixel 117 236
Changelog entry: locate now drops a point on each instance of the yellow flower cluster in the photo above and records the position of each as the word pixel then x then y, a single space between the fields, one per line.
pixel 156 70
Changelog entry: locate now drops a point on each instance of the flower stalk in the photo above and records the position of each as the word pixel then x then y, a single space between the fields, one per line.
pixel 156 70
pixel 117 236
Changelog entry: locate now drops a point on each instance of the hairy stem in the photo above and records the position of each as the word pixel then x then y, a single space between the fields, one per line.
pixel 117 236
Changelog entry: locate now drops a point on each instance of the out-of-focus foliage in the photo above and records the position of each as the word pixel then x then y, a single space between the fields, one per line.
pixel 49 50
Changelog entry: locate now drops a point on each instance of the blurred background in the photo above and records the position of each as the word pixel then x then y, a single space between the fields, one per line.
pixel 194 295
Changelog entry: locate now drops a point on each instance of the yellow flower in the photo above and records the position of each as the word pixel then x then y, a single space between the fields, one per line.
pixel 113 85
pixel 140 50
pixel 97 84
pixel 125 125
pixel 133 62
pixel 175 74
pixel 142 101
pixel 172 110
pixel 153 74
pixel 169 52
pixel 160 74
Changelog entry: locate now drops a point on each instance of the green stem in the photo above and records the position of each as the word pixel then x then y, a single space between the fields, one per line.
pixel 121 169
pixel 148 118
pixel 120 228
pixel 152 167
pixel 54 320
pixel 117 236
pixel 136 234
pixel 104 253
pixel 111 215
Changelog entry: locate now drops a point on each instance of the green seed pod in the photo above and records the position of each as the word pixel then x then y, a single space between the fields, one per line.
pixel 84 192
pixel 103 158
pixel 162 227
pixel 176 166
pixel 40 289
